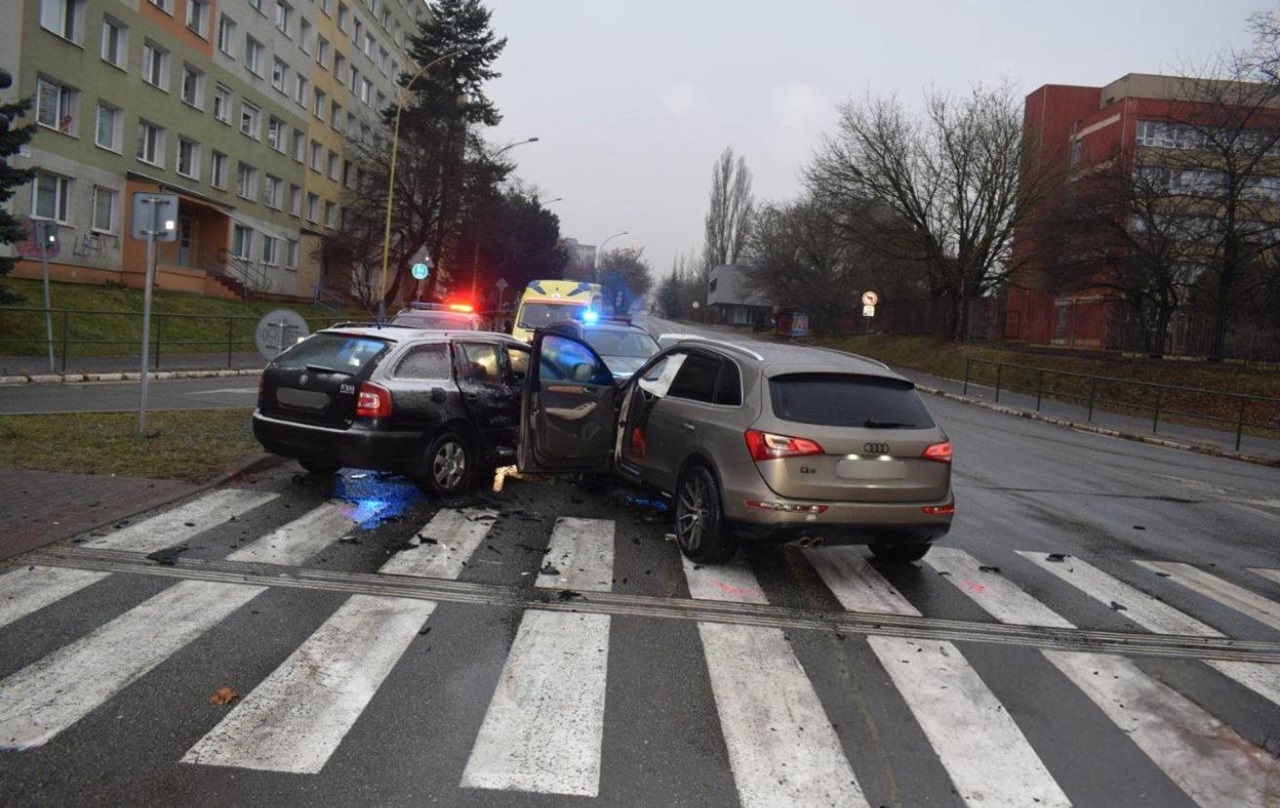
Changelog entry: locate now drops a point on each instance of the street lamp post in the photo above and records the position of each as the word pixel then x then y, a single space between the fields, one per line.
pixel 391 177
pixel 595 259
pixel 475 258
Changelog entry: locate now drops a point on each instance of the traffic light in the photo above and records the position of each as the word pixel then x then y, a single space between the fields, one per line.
pixel 47 234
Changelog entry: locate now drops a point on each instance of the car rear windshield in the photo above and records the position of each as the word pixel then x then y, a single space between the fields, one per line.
pixel 832 399
pixel 622 343
pixel 348 353
pixel 541 315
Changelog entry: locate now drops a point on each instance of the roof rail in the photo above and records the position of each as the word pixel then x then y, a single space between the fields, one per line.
pixel 722 344
pixel 867 359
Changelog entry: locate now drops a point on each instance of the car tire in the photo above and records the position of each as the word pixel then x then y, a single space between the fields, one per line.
pixel 448 465
pixel 701 530
pixel 316 467
pixel 900 552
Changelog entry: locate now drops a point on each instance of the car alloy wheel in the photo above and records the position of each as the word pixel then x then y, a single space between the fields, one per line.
pixel 448 464
pixel 701 531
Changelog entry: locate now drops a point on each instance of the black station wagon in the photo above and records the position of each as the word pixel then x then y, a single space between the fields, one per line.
pixel 440 407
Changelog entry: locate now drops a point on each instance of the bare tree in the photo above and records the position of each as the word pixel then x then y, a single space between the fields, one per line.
pixel 729 214
pixel 952 186
pixel 625 277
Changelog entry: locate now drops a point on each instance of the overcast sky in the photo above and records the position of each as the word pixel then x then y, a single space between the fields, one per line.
pixel 634 100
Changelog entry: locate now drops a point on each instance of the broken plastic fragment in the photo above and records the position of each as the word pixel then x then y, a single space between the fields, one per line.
pixel 223 695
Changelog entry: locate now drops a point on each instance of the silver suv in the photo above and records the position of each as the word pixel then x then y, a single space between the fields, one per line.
pixel 770 441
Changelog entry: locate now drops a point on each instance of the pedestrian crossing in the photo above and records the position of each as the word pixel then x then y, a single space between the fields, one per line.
pixel 544 726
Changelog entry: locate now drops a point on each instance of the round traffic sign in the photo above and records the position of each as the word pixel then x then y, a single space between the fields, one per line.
pixel 870 298
pixel 419 271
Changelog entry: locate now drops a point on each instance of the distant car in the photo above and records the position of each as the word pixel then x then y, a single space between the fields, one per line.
pixel 623 346
pixel 440 407
pixel 438 316
pixel 763 442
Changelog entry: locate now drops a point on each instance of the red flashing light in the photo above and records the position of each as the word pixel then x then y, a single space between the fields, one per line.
pixel 767 446
pixel 466 308
pixel 374 401
pixel 940 452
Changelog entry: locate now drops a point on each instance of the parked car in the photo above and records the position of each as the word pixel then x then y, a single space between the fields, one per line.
pixel 622 345
pixel 769 442
pixel 438 316
pixel 440 407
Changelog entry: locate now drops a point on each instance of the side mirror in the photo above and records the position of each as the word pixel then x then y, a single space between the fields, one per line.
pixel 583 372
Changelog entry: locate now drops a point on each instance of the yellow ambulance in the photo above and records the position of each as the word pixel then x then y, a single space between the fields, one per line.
pixel 544 302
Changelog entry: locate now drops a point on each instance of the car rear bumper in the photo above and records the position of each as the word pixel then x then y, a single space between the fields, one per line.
pixel 357 446
pixel 840 522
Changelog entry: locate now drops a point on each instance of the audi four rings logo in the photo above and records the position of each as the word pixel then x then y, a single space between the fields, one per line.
pixel 876 448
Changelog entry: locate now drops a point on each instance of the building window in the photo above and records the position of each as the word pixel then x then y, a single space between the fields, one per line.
pixel 322 52
pixel 284 14
pixel 291 254
pixel 242 242
pixel 317 154
pixel 271 192
pixel 256 5
pixel 343 17
pixel 250 120
pixel 279 73
pixel 330 214
pixel 253 51
pixel 227 36
pixel 192 86
pixel 275 133
pixel 327 7
pixel 365 90
pixel 319 107
pixel 164 5
pixel 313 208
pixel 295 200
pixel 339 65
pixel 269 255
pixel 353 126
pixel 115 42
pixel 56 105
pixel 222 103
pixel 218 170
pixel 304 36
pixel 110 127
pixel 246 180
pixel 198 17
pixel 155 65
pixel 63 17
pixel 188 158
pixel 104 210
pixel 353 76
pixel 151 143
pixel 335 117
pixel 335 165
pixel 300 90
pixel 368 44
pixel 50 193
pixel 299 144
pixel 384 60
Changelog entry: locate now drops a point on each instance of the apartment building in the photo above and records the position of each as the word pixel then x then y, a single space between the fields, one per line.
pixel 243 108
pixel 1143 121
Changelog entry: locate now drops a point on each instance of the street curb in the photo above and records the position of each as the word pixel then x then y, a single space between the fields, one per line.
pixel 157 375
pixel 1153 440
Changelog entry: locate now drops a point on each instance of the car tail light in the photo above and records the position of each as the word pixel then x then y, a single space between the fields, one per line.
pixel 767 446
pixel 939 510
pixel 373 401
pixel 940 452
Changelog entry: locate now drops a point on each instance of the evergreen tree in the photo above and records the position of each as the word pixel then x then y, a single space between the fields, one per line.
pixel 11 141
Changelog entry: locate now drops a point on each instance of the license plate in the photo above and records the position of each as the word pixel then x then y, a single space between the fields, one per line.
pixel 871 469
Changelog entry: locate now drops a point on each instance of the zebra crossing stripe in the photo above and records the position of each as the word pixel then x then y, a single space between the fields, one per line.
pixel 544 729
pixel 1157 616
pixel 302 538
pixel 449 540
pixel 581 555
pixel 27 590
pixel 1271 575
pixel 1215 588
pixel 46 697
pixel 184 522
pixel 1207 759
pixel 984 752
pixel 782 747
pixel 295 719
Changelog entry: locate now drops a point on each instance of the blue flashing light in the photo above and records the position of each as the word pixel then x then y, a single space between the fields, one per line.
pixel 590 317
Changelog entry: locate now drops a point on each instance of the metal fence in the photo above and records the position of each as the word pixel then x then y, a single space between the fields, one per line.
pixel 1161 403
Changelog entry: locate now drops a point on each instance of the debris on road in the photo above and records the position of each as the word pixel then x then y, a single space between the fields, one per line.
pixel 349 540
pixel 167 556
pixel 987 568
pixel 223 695
pixel 1058 557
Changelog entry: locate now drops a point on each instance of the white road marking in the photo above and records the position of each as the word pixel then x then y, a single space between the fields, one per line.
pixel 295 719
pixel 1206 758
pixel 849 575
pixel 302 538
pixel 544 728
pixel 1157 616
pixel 451 537
pixel 27 590
pixel 170 528
pixel 581 550
pixel 782 747
pixel 987 757
pixel 46 697
pixel 1271 575
pixel 1225 592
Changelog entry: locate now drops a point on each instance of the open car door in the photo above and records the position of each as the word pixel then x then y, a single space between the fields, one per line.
pixel 567 410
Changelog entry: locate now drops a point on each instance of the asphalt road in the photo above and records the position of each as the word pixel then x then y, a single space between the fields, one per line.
pixel 1100 628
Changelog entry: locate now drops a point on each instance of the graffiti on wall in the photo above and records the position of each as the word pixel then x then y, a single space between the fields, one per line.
pixel 95 246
